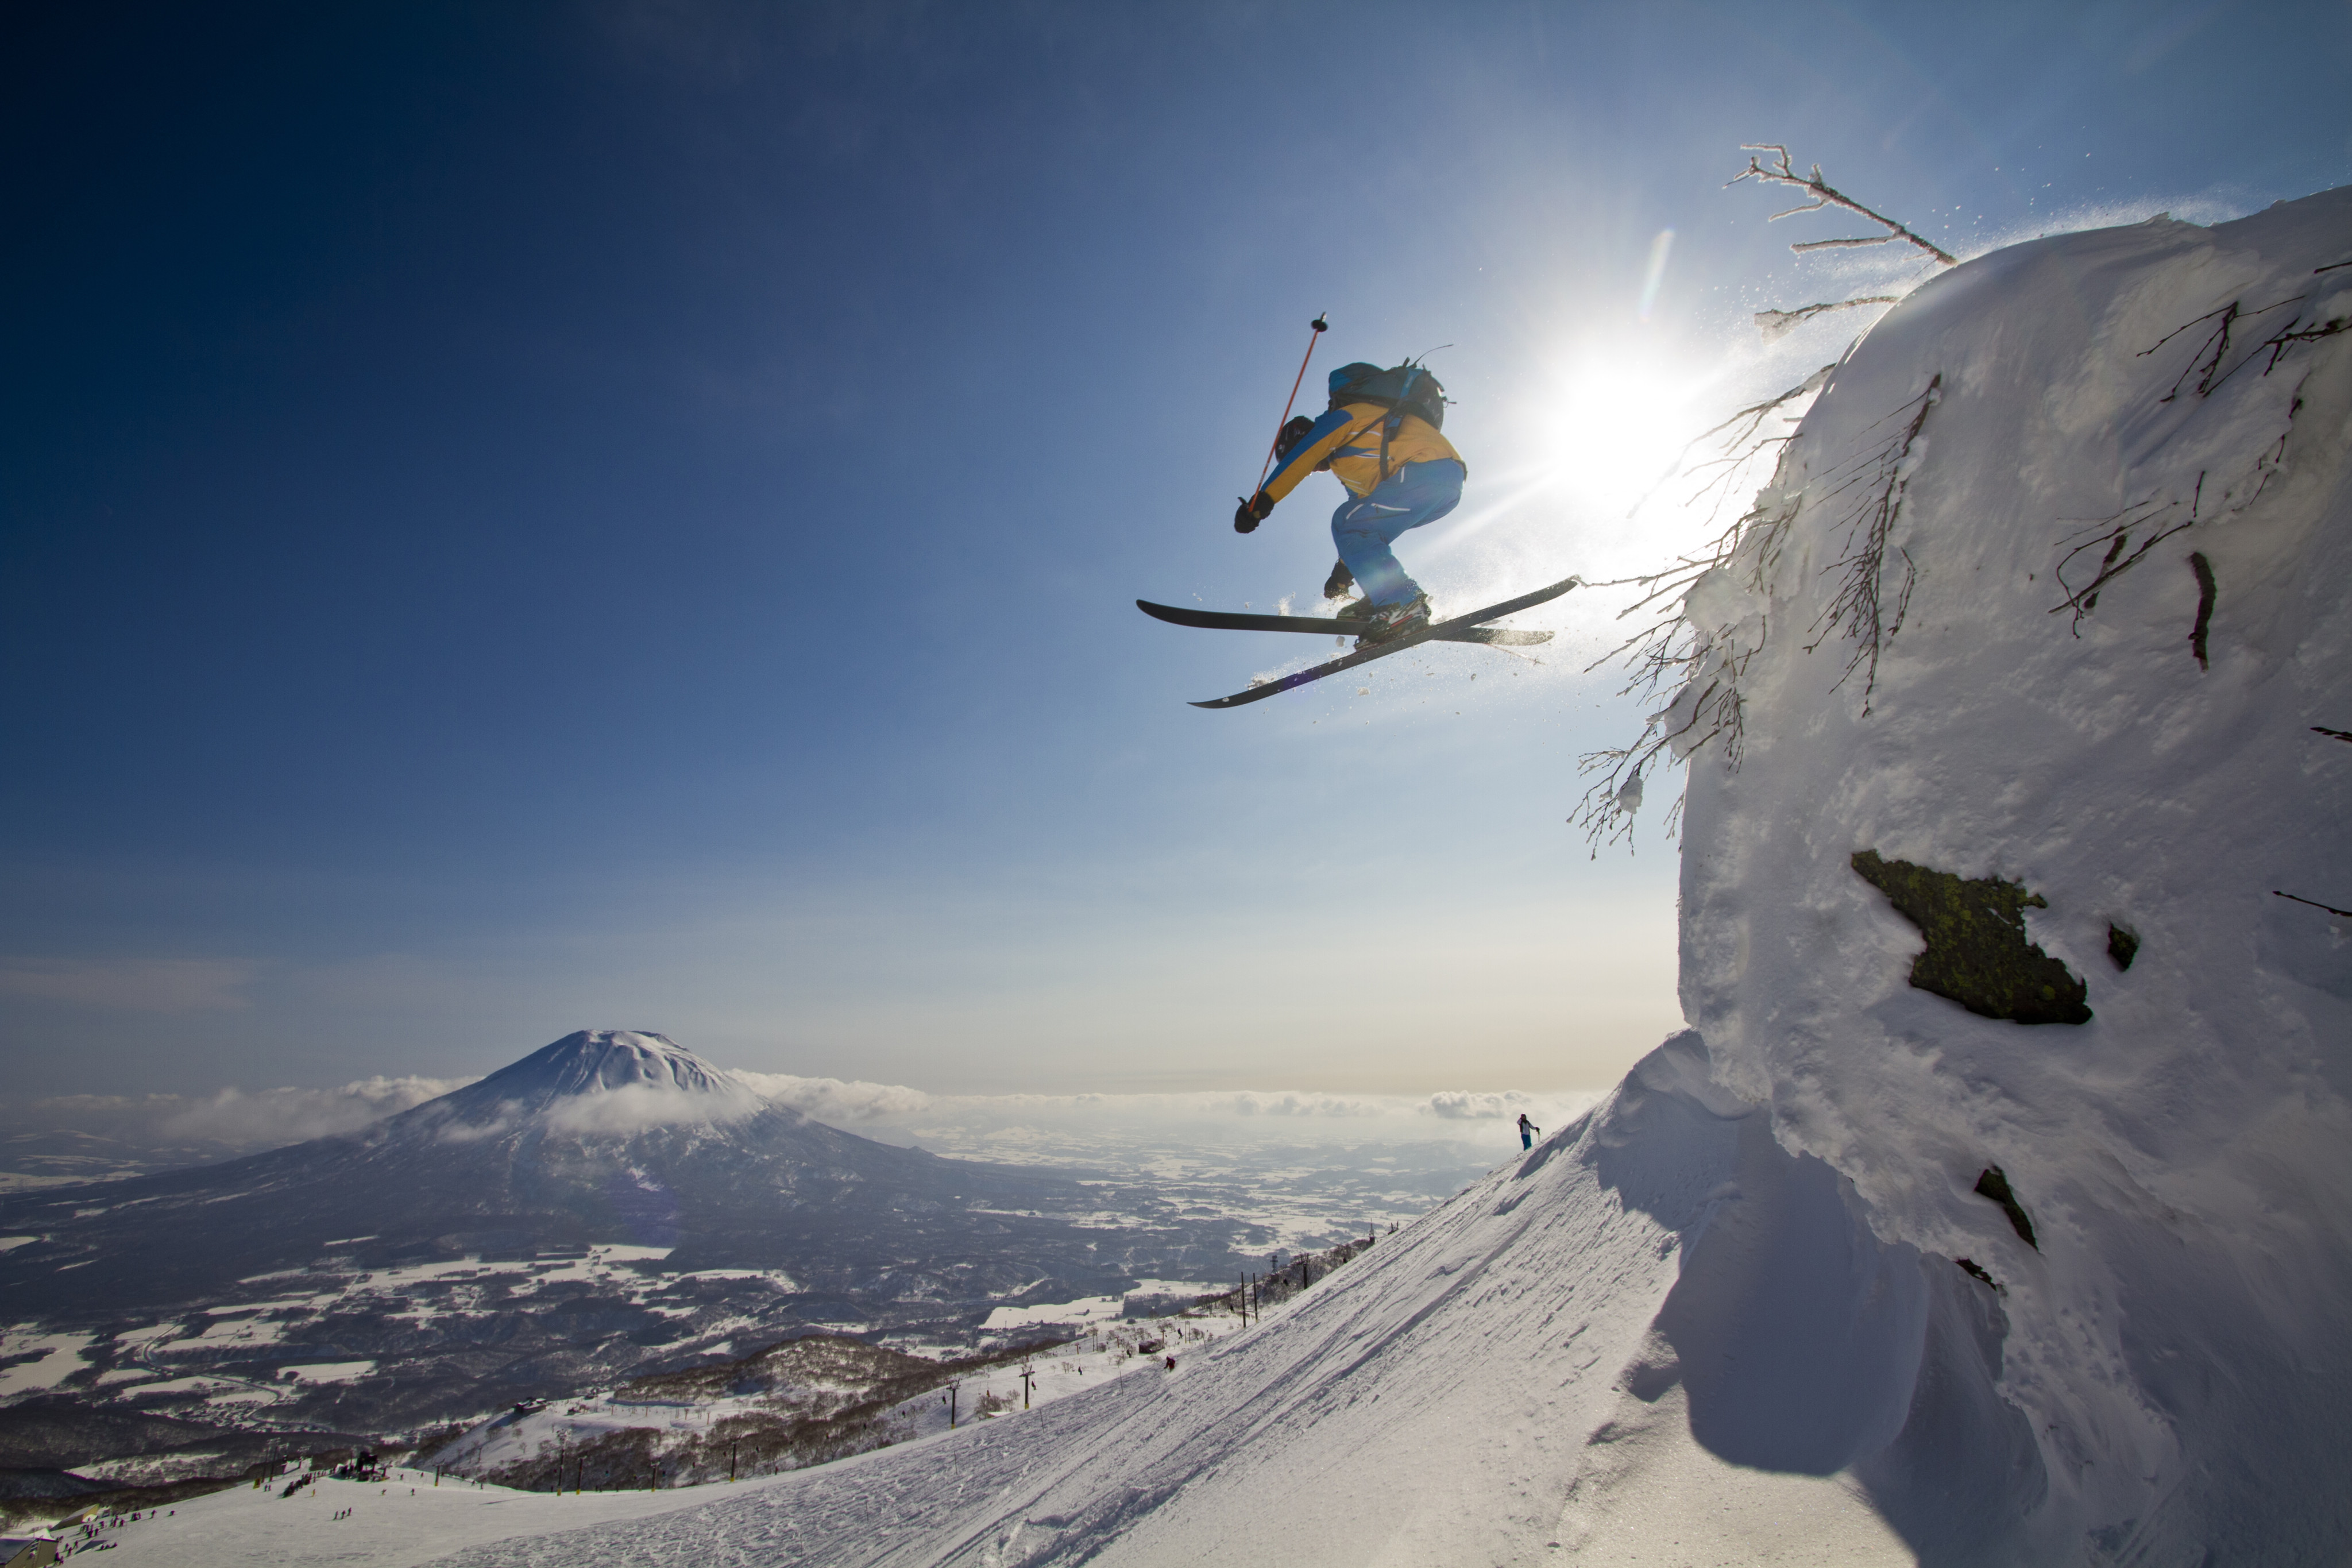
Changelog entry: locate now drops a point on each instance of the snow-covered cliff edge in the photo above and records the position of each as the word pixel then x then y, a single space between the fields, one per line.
pixel 2150 756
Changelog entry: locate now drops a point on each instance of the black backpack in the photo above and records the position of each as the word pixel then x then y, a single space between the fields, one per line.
pixel 1407 388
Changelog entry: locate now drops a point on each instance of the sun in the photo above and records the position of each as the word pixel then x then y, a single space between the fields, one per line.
pixel 1619 424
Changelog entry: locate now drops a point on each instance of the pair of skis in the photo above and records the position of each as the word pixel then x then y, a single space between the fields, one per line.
pixel 1469 628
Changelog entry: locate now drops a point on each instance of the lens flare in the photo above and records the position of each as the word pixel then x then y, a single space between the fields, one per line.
pixel 1660 249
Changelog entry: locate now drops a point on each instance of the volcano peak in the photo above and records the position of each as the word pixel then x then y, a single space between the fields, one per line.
pixel 602 1080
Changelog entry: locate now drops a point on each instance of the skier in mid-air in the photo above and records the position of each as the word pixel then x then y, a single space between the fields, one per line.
pixel 1380 439
pixel 1527 1131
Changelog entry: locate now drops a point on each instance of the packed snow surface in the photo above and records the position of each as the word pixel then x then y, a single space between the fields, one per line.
pixel 402 1519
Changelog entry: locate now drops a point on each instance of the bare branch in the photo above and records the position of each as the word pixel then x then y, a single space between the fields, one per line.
pixel 2215 346
pixel 1859 610
pixel 2115 533
pixel 1704 662
pixel 2315 903
pixel 1824 195
pixel 1738 446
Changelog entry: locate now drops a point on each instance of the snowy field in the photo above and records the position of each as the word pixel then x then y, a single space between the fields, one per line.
pixel 1103 1349
pixel 1281 1173
pixel 153 1362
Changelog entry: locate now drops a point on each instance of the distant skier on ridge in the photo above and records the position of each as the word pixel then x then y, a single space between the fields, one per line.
pixel 1379 437
pixel 1527 1131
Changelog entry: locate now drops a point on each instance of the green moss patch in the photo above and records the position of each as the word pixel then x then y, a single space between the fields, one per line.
pixel 1977 953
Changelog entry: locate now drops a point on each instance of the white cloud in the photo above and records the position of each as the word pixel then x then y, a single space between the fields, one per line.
pixel 838 1101
pixel 271 1117
pixel 633 1107
pixel 1466 1105
pixel 139 985
pixel 1248 1103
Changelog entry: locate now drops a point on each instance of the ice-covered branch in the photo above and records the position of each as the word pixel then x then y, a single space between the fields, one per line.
pixel 1701 658
pixel 1779 173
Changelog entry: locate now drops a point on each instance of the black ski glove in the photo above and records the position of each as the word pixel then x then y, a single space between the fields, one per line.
pixel 1252 511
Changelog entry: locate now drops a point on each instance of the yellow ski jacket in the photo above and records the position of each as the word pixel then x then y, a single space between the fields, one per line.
pixel 1347 440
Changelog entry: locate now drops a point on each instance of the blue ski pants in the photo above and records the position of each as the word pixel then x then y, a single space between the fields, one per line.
pixel 1367 525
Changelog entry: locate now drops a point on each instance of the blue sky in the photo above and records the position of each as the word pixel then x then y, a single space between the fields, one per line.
pixel 529 517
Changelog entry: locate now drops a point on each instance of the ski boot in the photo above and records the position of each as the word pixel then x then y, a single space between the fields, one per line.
pixel 1386 623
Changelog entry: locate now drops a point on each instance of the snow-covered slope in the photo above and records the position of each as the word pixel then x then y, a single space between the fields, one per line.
pixel 2174 1375
pixel 1437 1401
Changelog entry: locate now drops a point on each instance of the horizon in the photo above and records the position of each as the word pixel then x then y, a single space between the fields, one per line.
pixel 154 1132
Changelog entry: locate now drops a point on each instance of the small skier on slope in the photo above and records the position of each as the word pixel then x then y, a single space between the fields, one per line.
pixel 1527 1131
pixel 1380 439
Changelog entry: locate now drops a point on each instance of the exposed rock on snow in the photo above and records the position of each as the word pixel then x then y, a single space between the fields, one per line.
pixel 1977 953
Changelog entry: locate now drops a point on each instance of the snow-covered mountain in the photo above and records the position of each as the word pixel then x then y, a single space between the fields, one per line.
pixel 605 1136
pixel 598 1082
pixel 1997 1209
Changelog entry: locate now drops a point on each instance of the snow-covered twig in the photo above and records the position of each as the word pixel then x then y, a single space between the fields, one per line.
pixel 1738 443
pixel 1824 195
pixel 2315 903
pixel 1708 663
pixel 1670 651
pixel 1775 324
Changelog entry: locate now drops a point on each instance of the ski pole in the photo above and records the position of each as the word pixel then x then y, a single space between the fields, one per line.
pixel 1320 326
